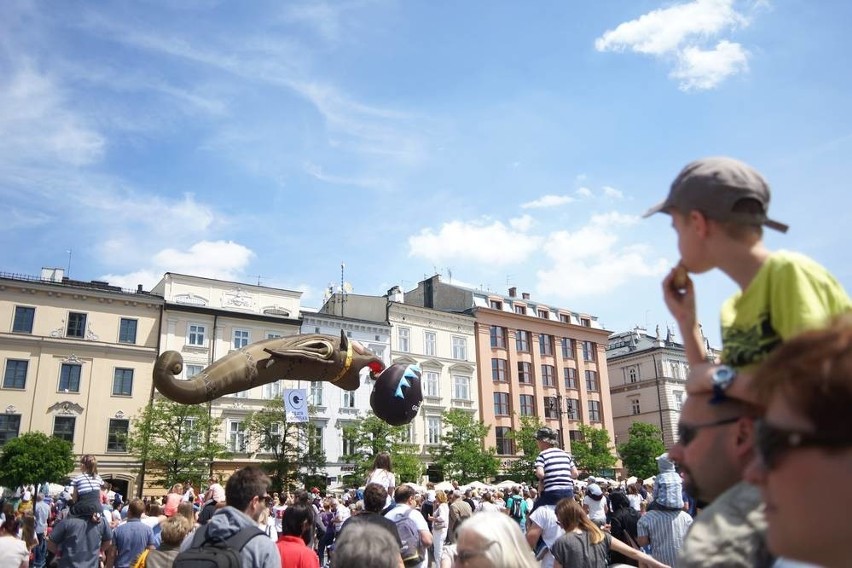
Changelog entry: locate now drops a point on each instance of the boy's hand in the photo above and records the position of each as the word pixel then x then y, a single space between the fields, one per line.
pixel 679 295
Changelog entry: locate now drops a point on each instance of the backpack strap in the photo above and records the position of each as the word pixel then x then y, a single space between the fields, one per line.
pixel 239 539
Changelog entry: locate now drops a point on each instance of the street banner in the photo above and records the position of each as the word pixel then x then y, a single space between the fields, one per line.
pixel 296 405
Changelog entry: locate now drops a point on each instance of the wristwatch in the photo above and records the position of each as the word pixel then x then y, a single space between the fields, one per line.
pixel 722 377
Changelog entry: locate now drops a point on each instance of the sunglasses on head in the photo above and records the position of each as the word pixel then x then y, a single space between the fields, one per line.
pixel 772 443
pixel 686 433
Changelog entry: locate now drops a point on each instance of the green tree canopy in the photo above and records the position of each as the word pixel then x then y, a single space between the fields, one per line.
pixel 640 451
pixel 368 436
pixel 294 454
pixel 461 455
pixel 593 453
pixel 176 442
pixel 34 457
pixel 523 468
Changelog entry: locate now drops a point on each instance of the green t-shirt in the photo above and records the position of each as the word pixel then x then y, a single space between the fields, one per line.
pixel 790 293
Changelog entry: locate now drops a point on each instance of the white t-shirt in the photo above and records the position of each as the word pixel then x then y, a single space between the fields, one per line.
pixel 278 513
pixel 545 517
pixel 400 510
pixel 635 501
pixel 597 509
pixel 386 479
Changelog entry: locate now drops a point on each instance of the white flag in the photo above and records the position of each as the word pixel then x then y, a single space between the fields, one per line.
pixel 296 405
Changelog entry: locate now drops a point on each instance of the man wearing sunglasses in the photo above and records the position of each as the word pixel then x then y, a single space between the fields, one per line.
pixel 806 434
pixel 715 445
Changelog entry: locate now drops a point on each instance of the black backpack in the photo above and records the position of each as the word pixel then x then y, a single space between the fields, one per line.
pixel 517 509
pixel 216 553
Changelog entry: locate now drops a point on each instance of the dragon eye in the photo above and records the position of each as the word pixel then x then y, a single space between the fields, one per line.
pixel 376 367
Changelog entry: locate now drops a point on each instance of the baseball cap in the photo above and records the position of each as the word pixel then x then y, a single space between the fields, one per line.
pixel 595 489
pixel 713 186
pixel 545 434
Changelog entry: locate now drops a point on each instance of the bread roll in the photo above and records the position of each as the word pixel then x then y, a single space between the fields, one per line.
pixel 681 277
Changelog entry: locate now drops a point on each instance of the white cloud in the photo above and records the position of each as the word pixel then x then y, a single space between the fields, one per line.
pixel 612 192
pixel 584 192
pixel 523 223
pixel 680 34
pixel 548 201
pixel 366 182
pixel 476 241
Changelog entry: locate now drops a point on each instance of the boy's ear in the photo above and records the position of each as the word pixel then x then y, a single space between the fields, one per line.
pixel 698 223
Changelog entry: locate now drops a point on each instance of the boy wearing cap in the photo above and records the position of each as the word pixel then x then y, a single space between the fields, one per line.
pixel 718 208
pixel 554 468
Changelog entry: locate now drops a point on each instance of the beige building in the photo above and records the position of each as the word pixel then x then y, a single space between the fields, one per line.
pixel 77 360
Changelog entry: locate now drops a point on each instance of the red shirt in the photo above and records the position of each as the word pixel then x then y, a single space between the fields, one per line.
pixel 294 553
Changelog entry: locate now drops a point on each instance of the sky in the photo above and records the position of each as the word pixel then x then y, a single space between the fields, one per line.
pixel 499 144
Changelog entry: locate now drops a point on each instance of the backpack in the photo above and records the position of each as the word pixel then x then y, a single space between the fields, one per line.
pixel 517 510
pixel 412 550
pixel 216 553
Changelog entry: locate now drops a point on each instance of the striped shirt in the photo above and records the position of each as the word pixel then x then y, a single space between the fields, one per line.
pixel 666 531
pixel 557 465
pixel 85 483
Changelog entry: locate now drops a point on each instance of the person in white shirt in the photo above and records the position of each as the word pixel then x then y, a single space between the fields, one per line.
pixel 382 473
pixel 595 503
pixel 406 504
pixel 543 523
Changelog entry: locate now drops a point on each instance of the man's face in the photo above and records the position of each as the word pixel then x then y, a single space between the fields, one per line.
pixel 706 461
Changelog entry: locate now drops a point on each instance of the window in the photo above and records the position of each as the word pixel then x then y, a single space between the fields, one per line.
pixel 594 411
pixel 76 325
pixel 551 407
pixel 547 378
pixel 495 304
pixel 505 443
pixel 273 390
pixel 572 408
pixel 592 381
pixel 315 435
pixel 543 314
pixel 69 377
pixel 498 370
pixel 460 348
pixel 501 404
pixel 564 318
pixel 522 310
pixel 241 394
pixel 567 348
pixel 127 330
pixel 273 335
pixel 10 425
pixel 349 445
pixel 545 342
pixel 23 322
pixel 433 429
pixel 570 376
pixel 271 438
pixel 236 436
pixel 192 370
pixel 63 428
pixel 461 387
pixel 678 398
pixel 575 436
pixel 498 336
pixel 632 374
pixel 348 399
pixel 122 382
pixel 522 341
pixel 430 343
pixel 409 435
pixel 525 372
pixel 16 374
pixel 402 335
pixel 589 349
pixel 527 407
pixel 241 338
pixel 634 406
pixel 195 334
pixel 315 394
pixel 585 322
pixel 117 436
pixel 431 381
pixel 190 437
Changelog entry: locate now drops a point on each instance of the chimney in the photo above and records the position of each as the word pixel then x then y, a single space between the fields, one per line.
pixel 395 295
pixel 139 288
pixel 513 292
pixel 525 295
pixel 52 274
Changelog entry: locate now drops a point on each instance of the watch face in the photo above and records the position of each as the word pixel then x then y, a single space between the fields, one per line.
pixel 723 376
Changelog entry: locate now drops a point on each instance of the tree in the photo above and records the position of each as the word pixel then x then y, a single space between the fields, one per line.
pixel 369 436
pixel 176 442
pixel 460 454
pixel 295 453
pixel 523 468
pixel 35 457
pixel 592 453
pixel 640 451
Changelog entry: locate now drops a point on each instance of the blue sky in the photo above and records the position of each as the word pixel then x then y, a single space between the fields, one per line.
pixel 506 143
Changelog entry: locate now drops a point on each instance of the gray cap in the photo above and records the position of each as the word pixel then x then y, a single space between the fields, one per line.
pixel 713 186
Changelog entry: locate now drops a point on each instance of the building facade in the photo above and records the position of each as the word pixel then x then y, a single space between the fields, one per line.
pixel 647 381
pixel 77 364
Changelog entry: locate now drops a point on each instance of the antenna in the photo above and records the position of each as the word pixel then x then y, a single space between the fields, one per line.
pixel 259 278
pixel 69 262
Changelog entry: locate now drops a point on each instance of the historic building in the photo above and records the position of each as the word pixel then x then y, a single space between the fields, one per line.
pixel 77 360
pixel 647 380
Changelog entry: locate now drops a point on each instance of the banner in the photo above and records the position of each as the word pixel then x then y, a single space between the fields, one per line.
pixel 296 405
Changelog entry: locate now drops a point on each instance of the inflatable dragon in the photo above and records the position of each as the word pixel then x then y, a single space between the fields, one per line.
pixel 313 357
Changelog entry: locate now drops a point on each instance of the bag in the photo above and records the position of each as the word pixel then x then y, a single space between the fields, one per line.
pixel 140 562
pixel 210 553
pixel 517 510
pixel 412 551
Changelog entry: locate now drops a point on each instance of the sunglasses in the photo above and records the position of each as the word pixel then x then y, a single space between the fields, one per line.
pixel 772 443
pixel 686 433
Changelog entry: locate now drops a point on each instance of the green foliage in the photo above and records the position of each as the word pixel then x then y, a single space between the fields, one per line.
pixel 523 468
pixel 176 442
pixel 294 456
pixel 369 436
pixel 640 451
pixel 593 453
pixel 460 454
pixel 34 457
